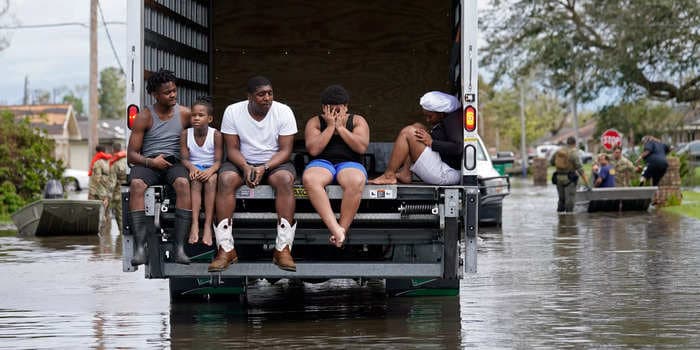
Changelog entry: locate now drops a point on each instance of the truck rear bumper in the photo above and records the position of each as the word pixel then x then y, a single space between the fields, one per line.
pixel 311 270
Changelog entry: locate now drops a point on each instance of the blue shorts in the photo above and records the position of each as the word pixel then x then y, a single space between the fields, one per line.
pixel 334 169
pixel 202 167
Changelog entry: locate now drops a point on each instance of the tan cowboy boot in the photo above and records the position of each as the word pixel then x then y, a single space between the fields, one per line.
pixel 226 255
pixel 282 256
pixel 283 259
pixel 222 260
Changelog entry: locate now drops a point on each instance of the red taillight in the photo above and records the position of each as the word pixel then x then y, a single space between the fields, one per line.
pixel 470 118
pixel 131 112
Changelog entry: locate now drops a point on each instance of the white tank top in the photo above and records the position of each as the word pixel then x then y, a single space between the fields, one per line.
pixel 204 155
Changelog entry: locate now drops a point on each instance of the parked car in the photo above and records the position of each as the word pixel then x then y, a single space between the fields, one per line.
pixel 75 180
pixel 692 149
pixel 493 187
pixel 585 157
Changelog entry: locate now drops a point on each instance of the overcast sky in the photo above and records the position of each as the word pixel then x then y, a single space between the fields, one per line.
pixel 55 57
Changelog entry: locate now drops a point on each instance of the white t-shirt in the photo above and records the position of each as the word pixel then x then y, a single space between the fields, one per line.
pixel 259 140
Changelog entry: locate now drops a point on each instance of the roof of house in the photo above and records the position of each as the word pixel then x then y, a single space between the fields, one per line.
pixel 54 119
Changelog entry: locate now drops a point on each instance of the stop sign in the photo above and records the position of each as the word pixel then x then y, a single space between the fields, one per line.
pixel 610 139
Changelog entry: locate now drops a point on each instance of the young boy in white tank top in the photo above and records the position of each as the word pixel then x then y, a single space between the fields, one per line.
pixel 202 150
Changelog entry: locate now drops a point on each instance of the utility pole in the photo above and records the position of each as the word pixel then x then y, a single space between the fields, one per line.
pixel 25 100
pixel 574 110
pixel 523 146
pixel 93 138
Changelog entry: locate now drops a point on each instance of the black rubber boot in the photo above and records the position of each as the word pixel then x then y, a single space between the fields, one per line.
pixel 183 223
pixel 140 224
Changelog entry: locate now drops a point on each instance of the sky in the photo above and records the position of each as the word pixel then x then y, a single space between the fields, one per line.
pixel 57 56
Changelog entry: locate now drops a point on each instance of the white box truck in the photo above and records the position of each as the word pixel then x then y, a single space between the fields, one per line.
pixel 419 238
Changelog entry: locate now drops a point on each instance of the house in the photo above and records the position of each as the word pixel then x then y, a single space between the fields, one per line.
pixel 690 129
pixel 70 132
pixel 585 136
pixel 56 121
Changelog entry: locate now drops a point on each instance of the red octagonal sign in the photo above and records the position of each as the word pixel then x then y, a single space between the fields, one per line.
pixel 610 139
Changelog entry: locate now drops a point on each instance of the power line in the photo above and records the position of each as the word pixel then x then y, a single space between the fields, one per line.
pixel 109 37
pixel 53 25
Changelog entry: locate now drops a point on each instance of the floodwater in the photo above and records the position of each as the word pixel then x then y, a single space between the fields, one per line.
pixel 604 280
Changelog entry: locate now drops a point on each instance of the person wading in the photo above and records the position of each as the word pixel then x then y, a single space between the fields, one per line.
pixel 568 169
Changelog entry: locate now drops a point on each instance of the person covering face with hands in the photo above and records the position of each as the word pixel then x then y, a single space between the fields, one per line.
pixel 336 141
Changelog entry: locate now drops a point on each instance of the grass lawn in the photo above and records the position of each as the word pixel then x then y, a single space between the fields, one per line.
pixel 690 206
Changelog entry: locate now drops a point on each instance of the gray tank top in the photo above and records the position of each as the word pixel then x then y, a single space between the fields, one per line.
pixel 164 135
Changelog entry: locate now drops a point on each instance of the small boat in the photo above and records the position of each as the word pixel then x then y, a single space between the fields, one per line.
pixel 616 198
pixel 59 217
pixel 55 216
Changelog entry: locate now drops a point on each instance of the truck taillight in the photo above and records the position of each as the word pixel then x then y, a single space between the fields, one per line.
pixel 470 118
pixel 131 112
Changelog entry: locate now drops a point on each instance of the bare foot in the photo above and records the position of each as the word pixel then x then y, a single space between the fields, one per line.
pixel 385 179
pixel 194 234
pixel 206 235
pixel 337 237
pixel 404 177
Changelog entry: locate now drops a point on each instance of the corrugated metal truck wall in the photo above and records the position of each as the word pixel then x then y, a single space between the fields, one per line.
pixel 177 38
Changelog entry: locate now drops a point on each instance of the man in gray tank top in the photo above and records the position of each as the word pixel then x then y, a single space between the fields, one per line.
pixel 154 156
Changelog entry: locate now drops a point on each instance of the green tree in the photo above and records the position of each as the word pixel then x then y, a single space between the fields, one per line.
pixel 638 118
pixel 41 97
pixel 545 114
pixel 112 93
pixel 77 102
pixel 26 157
pixel 641 46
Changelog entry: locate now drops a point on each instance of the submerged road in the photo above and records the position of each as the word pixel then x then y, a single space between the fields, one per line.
pixel 613 280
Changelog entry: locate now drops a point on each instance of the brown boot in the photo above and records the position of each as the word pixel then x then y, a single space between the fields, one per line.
pixel 222 260
pixel 283 259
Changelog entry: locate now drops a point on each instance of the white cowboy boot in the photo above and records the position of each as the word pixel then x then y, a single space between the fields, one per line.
pixel 226 254
pixel 282 256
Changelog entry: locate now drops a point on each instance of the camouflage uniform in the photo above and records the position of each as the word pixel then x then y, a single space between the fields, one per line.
pixel 624 170
pixel 100 187
pixel 566 188
pixel 100 183
pixel 117 172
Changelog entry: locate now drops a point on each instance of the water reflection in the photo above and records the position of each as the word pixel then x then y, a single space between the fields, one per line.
pixel 590 280
pixel 337 314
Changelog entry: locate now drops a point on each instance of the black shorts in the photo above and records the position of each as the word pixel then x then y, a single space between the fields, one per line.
pixel 288 166
pixel 159 177
pixel 655 173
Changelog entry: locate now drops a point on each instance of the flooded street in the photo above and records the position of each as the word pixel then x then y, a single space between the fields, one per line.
pixel 619 280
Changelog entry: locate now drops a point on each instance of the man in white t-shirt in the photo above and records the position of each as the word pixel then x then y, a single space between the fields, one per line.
pixel 259 137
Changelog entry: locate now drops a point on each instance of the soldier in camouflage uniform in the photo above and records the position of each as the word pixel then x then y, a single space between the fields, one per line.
pixel 568 169
pixel 624 169
pixel 117 172
pixel 100 185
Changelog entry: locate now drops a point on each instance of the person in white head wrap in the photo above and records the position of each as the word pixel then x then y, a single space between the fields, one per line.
pixel 437 101
pixel 433 154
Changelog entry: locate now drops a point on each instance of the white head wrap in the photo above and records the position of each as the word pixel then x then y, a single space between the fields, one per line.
pixel 436 101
